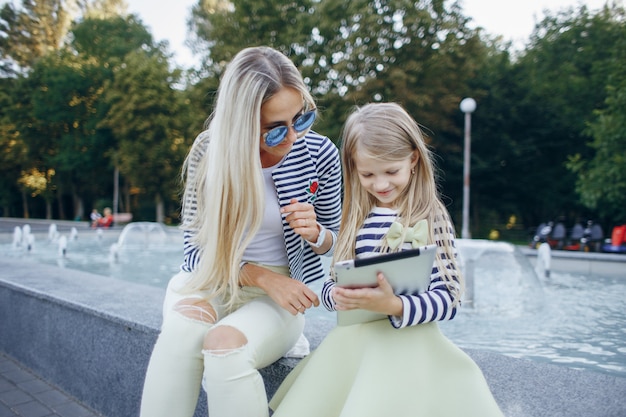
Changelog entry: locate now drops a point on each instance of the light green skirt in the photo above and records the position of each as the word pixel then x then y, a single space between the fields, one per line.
pixel 375 370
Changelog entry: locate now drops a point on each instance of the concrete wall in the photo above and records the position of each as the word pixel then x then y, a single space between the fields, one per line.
pixel 586 263
pixel 92 337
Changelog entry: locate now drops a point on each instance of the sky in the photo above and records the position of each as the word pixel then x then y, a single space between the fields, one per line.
pixel 513 19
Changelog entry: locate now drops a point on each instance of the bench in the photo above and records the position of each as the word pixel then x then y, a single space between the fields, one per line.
pixel 93 337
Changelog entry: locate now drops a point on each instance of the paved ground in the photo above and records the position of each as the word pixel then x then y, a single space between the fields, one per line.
pixel 24 394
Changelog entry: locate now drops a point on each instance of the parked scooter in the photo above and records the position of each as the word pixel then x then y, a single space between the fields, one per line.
pixel 592 238
pixel 550 233
pixel 559 234
pixel 575 236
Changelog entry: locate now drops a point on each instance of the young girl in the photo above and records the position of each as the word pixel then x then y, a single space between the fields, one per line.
pixel 402 366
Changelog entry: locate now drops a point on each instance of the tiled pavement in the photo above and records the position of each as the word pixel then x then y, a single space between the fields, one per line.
pixel 24 394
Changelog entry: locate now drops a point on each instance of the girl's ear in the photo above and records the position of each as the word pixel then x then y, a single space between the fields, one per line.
pixel 415 158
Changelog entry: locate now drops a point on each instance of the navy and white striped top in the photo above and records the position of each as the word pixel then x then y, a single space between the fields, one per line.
pixel 432 305
pixel 310 172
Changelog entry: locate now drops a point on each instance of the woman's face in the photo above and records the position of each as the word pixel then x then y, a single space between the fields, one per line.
pixel 281 110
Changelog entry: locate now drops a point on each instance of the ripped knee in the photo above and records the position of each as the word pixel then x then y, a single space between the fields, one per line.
pixel 221 340
pixel 196 309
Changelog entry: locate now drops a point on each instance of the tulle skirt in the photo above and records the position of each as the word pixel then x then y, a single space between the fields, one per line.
pixel 375 370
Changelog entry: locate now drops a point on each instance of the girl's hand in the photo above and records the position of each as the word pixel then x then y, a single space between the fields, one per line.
pixel 302 219
pixel 380 299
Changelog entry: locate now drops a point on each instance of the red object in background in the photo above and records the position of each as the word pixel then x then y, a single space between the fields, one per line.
pixel 105 221
pixel 618 237
pixel 574 246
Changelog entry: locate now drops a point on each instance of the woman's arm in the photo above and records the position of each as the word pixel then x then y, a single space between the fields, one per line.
pixel 291 294
pixel 327 200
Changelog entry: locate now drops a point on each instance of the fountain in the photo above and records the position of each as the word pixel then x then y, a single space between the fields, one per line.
pixel 143 235
pixel 542 266
pixel 53 233
pixel 508 307
pixel 62 245
pixel 17 237
pixel 73 233
pixel 28 239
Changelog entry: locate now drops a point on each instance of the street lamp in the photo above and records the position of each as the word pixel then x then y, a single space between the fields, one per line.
pixel 468 105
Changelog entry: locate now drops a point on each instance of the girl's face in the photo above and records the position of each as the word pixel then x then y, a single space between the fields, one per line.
pixel 386 181
pixel 281 110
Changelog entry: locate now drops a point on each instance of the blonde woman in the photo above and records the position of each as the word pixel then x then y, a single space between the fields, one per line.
pixel 402 365
pixel 262 202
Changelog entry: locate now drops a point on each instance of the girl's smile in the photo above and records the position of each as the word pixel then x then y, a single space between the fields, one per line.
pixel 384 180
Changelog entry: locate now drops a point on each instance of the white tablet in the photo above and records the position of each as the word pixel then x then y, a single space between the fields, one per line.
pixel 407 271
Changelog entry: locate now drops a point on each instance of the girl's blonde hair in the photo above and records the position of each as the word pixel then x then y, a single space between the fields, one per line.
pixel 386 132
pixel 226 188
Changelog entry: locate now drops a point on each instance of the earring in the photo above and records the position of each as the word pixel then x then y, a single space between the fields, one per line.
pixel 412 170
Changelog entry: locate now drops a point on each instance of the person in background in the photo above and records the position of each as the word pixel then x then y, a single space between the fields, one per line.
pixel 95 216
pixel 261 204
pixel 401 365
pixel 106 220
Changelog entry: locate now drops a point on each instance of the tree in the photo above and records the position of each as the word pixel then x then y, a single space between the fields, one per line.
pixel 601 181
pixel 420 54
pixel 109 40
pixel 536 113
pixel 12 150
pixel 63 102
pixel 222 28
pixel 143 118
pixel 35 29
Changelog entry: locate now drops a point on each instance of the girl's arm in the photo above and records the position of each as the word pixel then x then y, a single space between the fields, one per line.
pixel 327 297
pixel 432 305
pixel 436 304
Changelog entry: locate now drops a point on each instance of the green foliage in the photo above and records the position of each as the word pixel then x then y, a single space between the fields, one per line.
pixel 602 177
pixel 12 148
pixel 108 41
pixel 547 135
pixel 535 115
pixel 143 117
pixel 34 29
pixel 223 28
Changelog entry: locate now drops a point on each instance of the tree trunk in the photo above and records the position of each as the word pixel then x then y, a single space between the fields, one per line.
pixel 60 205
pixel 160 208
pixel 116 190
pixel 79 206
pixel 126 207
pixel 25 205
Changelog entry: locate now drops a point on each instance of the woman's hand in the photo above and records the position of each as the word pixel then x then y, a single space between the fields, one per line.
pixel 380 299
pixel 292 295
pixel 302 219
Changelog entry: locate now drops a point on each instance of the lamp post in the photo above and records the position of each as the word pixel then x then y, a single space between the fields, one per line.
pixel 468 105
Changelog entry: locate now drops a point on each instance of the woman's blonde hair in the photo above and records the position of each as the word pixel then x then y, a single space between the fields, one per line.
pixel 226 188
pixel 386 132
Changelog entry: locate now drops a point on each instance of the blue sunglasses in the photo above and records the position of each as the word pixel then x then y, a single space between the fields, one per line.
pixel 278 134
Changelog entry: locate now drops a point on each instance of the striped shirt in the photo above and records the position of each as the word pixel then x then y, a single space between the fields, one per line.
pixel 432 305
pixel 310 172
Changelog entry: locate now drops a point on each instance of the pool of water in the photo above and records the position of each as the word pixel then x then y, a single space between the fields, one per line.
pixel 569 319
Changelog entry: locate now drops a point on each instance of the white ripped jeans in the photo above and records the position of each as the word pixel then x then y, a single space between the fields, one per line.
pixel 233 384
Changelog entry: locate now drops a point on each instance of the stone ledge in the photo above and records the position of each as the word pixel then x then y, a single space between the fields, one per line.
pixel 92 336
